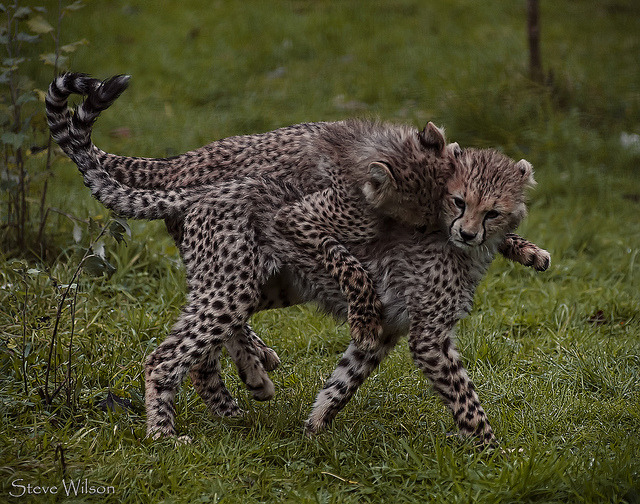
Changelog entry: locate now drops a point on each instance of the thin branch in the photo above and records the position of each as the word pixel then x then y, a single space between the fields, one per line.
pixel 49 162
pixel 73 327
pixel 533 27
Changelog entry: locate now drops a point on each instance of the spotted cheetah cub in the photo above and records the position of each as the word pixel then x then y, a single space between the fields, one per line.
pixel 427 281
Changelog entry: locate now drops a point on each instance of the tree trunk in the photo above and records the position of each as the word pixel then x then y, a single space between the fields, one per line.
pixel 533 28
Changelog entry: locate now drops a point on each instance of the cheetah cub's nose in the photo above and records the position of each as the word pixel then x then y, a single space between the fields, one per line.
pixel 466 236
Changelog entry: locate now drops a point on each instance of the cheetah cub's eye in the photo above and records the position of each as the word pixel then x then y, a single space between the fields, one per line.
pixel 492 214
pixel 459 202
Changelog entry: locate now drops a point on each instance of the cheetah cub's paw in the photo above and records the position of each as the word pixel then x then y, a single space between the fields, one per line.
pixel 269 358
pixel 264 391
pixel 523 251
pixel 183 441
pixel 539 259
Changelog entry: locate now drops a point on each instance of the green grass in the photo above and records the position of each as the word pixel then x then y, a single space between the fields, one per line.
pixel 555 356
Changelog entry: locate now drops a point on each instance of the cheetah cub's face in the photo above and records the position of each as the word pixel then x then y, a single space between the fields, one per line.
pixel 485 198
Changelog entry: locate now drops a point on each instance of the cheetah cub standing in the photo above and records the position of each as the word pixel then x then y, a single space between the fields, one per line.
pixel 427 281
pixel 358 173
pixel 218 305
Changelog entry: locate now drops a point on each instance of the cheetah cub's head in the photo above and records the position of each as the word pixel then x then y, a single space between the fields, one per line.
pixel 407 172
pixel 485 198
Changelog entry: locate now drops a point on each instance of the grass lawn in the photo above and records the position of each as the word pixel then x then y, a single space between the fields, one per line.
pixel 555 356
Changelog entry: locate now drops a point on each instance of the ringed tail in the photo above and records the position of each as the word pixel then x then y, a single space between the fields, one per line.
pixel 72 132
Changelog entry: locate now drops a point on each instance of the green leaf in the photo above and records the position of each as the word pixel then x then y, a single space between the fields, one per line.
pixel 22 13
pixel 9 181
pixel 14 139
pixel 19 265
pixel 25 37
pixel 118 228
pixel 94 227
pixel 77 232
pixel 27 349
pixel 35 272
pixel 74 45
pixel 25 98
pixel 39 25
pixel 79 4
pixel 95 265
pixel 12 63
pixel 51 59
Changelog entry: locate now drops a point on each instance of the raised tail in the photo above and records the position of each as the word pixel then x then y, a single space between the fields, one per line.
pixel 72 132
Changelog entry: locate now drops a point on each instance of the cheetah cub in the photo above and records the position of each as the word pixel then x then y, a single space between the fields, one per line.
pixel 427 281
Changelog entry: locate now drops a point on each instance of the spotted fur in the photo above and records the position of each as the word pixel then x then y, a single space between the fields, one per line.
pixel 427 282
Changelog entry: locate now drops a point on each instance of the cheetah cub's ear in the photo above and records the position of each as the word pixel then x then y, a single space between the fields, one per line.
pixel 454 149
pixel 380 184
pixel 381 174
pixel 432 137
pixel 525 169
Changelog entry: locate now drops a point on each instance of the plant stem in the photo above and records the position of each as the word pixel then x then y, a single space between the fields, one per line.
pixel 49 398
pixel 49 173
pixel 533 27
pixel 73 326
pixel 24 338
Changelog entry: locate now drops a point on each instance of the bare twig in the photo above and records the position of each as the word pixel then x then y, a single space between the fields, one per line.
pixel 50 146
pixel 73 326
pixel 24 338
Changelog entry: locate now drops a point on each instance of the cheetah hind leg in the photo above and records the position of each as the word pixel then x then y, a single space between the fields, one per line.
pixel 253 359
pixel 206 379
pixel 167 366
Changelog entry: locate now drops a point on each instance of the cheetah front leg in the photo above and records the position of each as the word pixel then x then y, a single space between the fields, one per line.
pixel 520 250
pixel 317 225
pixel 353 369
pixel 435 355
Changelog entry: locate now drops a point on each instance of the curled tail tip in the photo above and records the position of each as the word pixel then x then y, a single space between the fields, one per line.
pixel 68 83
pixel 117 83
pixel 108 91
